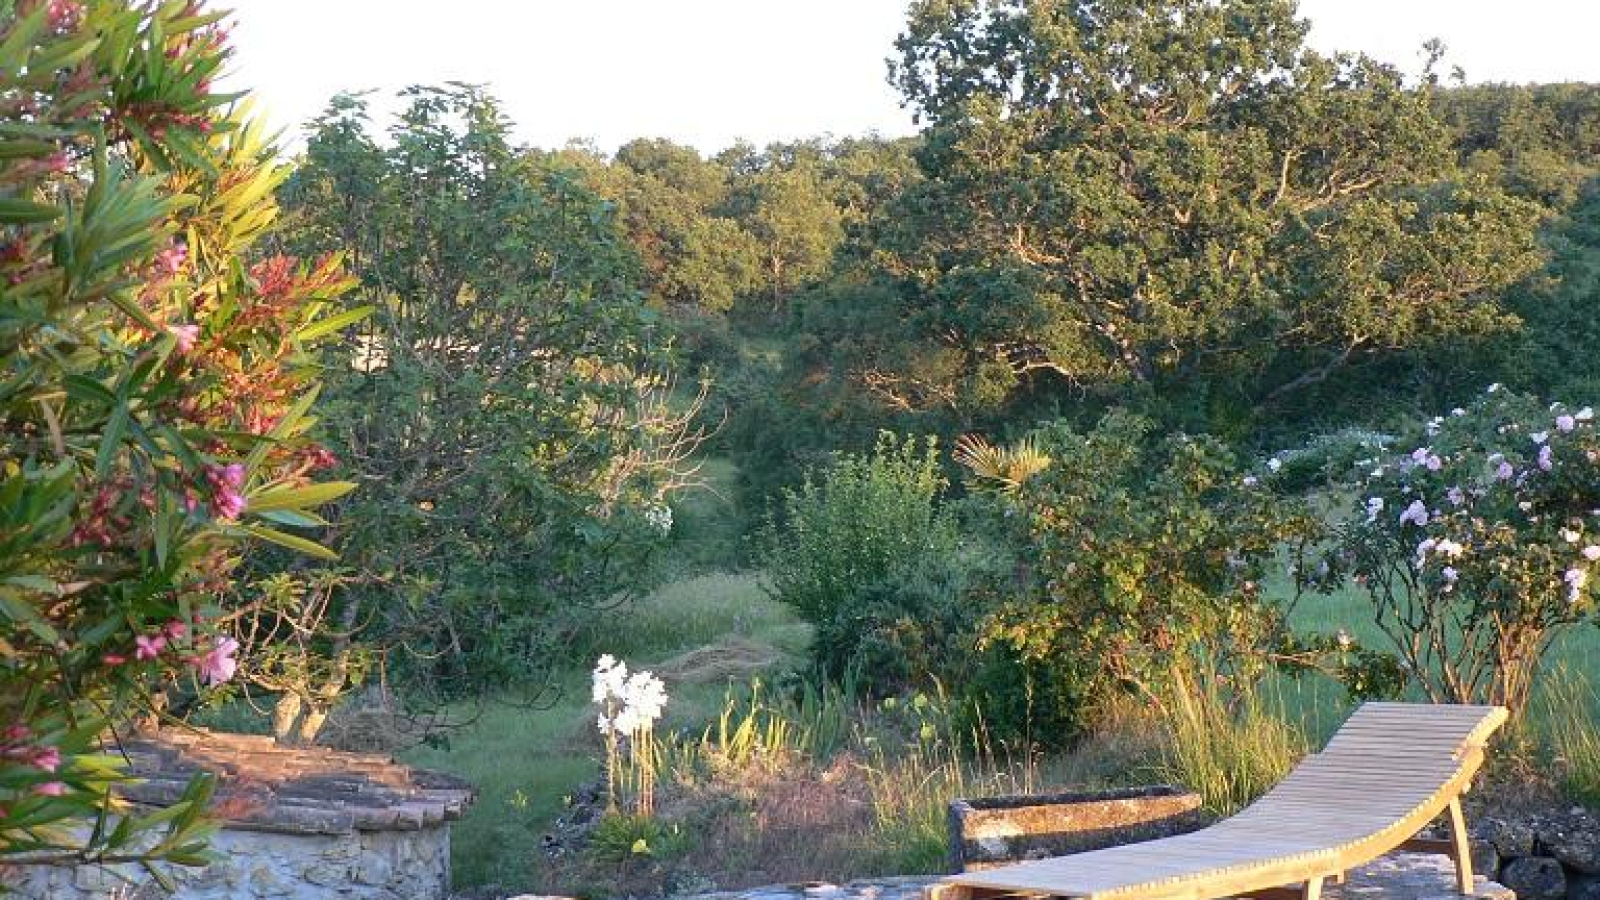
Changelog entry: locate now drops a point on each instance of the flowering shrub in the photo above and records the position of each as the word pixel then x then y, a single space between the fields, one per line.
pixel 629 707
pixel 1478 540
pixel 1147 556
pixel 153 398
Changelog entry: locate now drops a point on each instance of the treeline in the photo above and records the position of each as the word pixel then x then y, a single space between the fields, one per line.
pixel 835 288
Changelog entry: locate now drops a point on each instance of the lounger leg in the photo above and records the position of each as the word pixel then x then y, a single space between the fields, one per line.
pixel 1312 890
pixel 1462 850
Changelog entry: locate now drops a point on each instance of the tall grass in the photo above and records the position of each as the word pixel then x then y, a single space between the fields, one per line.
pixel 911 786
pixel 1229 749
pixel 1572 733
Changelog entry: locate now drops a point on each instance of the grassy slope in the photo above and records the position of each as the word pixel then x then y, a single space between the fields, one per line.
pixel 526 762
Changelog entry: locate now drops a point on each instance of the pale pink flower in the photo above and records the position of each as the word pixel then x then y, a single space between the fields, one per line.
pixel 186 336
pixel 1546 463
pixel 228 501
pixel 1566 423
pixel 50 789
pixel 148 646
pixel 1417 512
pixel 1592 553
pixel 217 665
pixel 1504 472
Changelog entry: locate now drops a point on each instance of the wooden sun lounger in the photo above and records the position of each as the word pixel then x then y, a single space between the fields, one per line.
pixel 1389 772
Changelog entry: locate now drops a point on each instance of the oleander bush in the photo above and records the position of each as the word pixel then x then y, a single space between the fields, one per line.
pixel 156 384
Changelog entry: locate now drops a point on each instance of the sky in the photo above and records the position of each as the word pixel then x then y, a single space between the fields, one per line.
pixel 710 72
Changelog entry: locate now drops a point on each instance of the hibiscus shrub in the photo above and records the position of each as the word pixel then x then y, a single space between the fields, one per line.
pixel 1477 543
pixel 154 391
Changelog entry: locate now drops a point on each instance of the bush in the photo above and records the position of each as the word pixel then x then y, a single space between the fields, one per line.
pixel 864 553
pixel 1477 544
pixel 1145 557
pixel 154 391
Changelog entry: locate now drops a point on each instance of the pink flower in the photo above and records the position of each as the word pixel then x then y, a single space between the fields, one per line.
pixel 148 646
pixel 1416 512
pixel 175 629
pixel 1505 472
pixel 64 15
pixel 170 260
pixel 218 665
pixel 1592 553
pixel 186 336
pixel 113 659
pixel 1545 462
pixel 47 758
pixel 1566 423
pixel 228 502
pixel 1457 496
pixel 50 789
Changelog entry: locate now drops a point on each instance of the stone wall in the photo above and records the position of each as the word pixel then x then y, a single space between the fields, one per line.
pixel 1542 857
pixel 261 865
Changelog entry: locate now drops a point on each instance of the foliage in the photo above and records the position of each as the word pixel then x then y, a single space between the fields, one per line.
pixel 1173 202
pixel 1229 749
pixel 154 397
pixel 1476 546
pixel 619 837
pixel 1572 733
pixel 865 554
pixel 507 404
pixel 1145 558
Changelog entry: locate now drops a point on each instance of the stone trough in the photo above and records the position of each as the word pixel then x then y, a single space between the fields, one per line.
pixel 994 831
pixel 296 823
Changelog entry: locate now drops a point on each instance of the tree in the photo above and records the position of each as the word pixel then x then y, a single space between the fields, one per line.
pixel 1163 198
pixel 503 403
pixel 155 386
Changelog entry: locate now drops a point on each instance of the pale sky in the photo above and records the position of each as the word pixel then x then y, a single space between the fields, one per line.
pixel 708 72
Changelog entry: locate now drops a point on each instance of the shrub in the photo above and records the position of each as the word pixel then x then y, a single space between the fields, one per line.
pixel 154 390
pixel 1146 555
pixel 1477 541
pixel 864 552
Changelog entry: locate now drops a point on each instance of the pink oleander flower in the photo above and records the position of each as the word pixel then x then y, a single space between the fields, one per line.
pixel 1457 496
pixel 46 758
pixel 1566 423
pixel 171 260
pixel 1504 472
pixel 113 659
pixel 217 665
pixel 50 789
pixel 64 15
pixel 186 336
pixel 1546 462
pixel 1592 553
pixel 148 646
pixel 228 500
pixel 175 629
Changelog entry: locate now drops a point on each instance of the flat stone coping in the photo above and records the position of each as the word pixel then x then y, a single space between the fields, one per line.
pixel 1399 876
pixel 264 786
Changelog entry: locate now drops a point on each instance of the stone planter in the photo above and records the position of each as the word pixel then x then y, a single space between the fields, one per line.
pixel 992 831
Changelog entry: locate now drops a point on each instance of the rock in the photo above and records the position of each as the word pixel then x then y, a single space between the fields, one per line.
pixel 1509 839
pixel 1485 859
pixel 1578 848
pixel 1535 878
pixel 1584 887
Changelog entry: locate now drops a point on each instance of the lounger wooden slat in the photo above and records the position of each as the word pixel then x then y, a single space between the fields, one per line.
pixel 1385 775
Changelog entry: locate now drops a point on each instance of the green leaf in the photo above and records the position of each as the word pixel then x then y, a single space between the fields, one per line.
pixel 293 542
pixel 334 323
pixel 26 212
pixel 311 495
